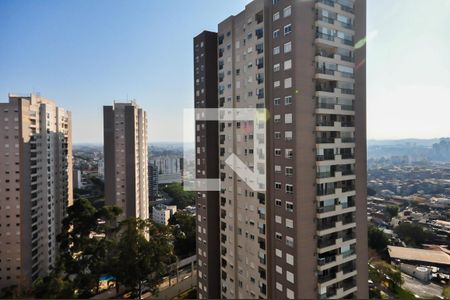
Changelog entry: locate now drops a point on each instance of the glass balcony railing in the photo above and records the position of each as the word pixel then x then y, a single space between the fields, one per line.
pixel 325 174
pixel 347 107
pixel 347 58
pixel 326 105
pixel 327 123
pixel 325 19
pixel 325 278
pixel 325 71
pixel 326 242
pixel 347 8
pixel 325 260
pixel 325 140
pixel 327 2
pixel 326 225
pixel 324 157
pixel 324 36
pixel 348 140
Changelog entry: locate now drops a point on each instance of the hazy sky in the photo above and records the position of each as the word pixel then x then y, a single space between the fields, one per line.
pixel 85 54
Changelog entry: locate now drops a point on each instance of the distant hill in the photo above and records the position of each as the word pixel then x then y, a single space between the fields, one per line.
pixel 413 149
pixel 417 142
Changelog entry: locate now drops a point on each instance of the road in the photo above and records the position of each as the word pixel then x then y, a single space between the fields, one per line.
pixel 420 289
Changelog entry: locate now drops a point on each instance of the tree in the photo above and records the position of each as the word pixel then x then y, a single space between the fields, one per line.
pixel 9 292
pixel 183 228
pixel 53 286
pixel 392 210
pixel 144 253
pixel 83 255
pixel 377 240
pixel 181 197
pixel 412 234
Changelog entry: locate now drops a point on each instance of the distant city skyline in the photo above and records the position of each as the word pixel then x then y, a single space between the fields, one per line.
pixel 86 54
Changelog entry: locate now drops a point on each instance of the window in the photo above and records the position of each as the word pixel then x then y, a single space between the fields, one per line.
pixel 289 153
pixel 290 277
pixel 288 65
pixel 276 50
pixel 276 84
pixel 287 47
pixel 278 252
pixel 289 294
pixel 279 286
pixel 277 152
pixel 287 29
pixel 278 219
pixel 287 11
pixel 289 188
pixel 288 83
pixel 277 168
pixel 278 185
pixel 289 223
pixel 288 100
pixel 289 171
pixel 276 33
pixel 279 269
pixel 278 202
pixel 278 236
pixel 277 135
pixel 276 16
pixel 276 67
pixel 290 206
pixel 288 119
pixel 276 101
pixel 288 135
pixel 290 259
pixel 290 241
pixel 277 118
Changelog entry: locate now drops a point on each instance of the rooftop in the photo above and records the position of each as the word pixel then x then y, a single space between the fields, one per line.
pixel 423 255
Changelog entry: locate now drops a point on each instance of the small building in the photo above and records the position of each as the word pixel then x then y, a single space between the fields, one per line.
pixel 161 213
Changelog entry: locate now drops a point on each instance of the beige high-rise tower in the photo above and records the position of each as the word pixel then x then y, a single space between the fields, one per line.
pixel 35 186
pixel 305 237
pixel 126 159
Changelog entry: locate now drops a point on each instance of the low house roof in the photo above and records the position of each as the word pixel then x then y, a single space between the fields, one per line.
pixel 423 255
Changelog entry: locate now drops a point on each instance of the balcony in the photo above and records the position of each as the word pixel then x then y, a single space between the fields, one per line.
pixel 325 123
pixel 321 261
pixel 347 8
pixel 325 157
pixel 325 19
pixel 326 278
pixel 325 36
pixel 324 174
pixel 348 91
pixel 327 191
pixel 347 139
pixel 323 243
pixel 327 2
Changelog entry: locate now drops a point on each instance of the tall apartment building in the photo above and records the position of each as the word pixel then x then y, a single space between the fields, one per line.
pixel 305 237
pixel 170 168
pixel 35 186
pixel 207 166
pixel 126 159
pixel 152 182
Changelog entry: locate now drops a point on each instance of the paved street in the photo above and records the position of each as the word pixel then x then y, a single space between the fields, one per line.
pixel 419 289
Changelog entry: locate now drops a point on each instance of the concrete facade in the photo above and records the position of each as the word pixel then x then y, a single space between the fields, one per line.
pixel 306 236
pixel 126 159
pixel 35 186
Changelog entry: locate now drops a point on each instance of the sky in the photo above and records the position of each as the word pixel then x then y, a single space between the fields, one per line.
pixel 85 54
